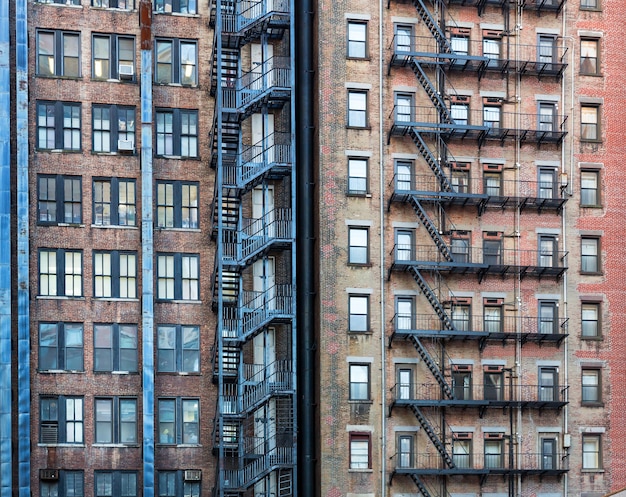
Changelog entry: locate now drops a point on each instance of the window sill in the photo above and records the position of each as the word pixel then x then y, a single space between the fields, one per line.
pixel 116 299
pixel 353 470
pixel 592 404
pixel 176 157
pixel 59 150
pixel 58 76
pixel 114 9
pixel 62 225
pixel 585 206
pixel 120 373
pixel 114 153
pixel 172 301
pixel 594 273
pixel 60 5
pixel 189 230
pixel 178 446
pixel 590 9
pixel 133 445
pixel 180 373
pixel 365 59
pixel 364 401
pixel 592 338
pixel 592 470
pixel 60 371
pixel 59 297
pixel 360 264
pixel 592 74
pixel 77 446
pixel 178 14
pixel 359 194
pixel 590 142
pixel 363 332
pixel 368 128
pixel 114 226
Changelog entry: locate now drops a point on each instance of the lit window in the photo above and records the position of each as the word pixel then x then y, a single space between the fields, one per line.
pixel 176 62
pixel 357 176
pixel 114 4
pixel 116 420
pixel 491 50
pixel 113 57
pixel 357 109
pixel 591 393
pixel 178 348
pixel 359 382
pixel 405 314
pixel 59 199
pixel 403 38
pixel 358 313
pixel 113 128
pixel 58 125
pixel 115 274
pixel 589 123
pixel 178 276
pixel 115 347
pixel 114 202
pixel 589 255
pixel 114 483
pixel 177 204
pixel 460 113
pixel 592 456
pixel 179 6
pixel 358 246
pixel 61 420
pixel 405 451
pixel 589 192
pixel 491 116
pixel 404 175
pixel 590 320
pixel 460 45
pixel 589 57
pixel 492 316
pixel 58 53
pixel 360 451
pixel 61 346
pixel 179 421
pixel 60 273
pixel 177 133
pixel 405 250
pixel 357 39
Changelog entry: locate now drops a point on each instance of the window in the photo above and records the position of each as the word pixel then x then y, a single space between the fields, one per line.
pixel 547 251
pixel 405 451
pixel 460 113
pixel 404 245
pixel 405 384
pixel 590 320
pixel 357 109
pixel 69 484
pixel 493 383
pixel 589 255
pixel 58 126
pixel 493 184
pixel 592 457
pixel 358 246
pixel 404 107
pixel 358 313
pixel 113 128
pixel 462 450
pixel 357 39
pixel 548 384
pixel 178 276
pixel 589 123
pixel 589 5
pixel 179 6
pixel 491 116
pixel 358 183
pixel 58 53
pixel 548 453
pixel 177 133
pixel 589 57
pixel 115 483
pixel 591 392
pixel 115 274
pixel 177 204
pixel 492 316
pixel 61 346
pixel 461 316
pixel 405 315
pixel 404 175
pixel 179 421
pixel 547 183
pixel 114 202
pixel 61 420
pixel 492 250
pixel 116 420
pixel 547 118
pixel 403 38
pixel 494 452
pixel 62 2
pixel 548 322
pixel 113 57
pixel 178 348
pixel 460 45
pixel 59 199
pixel 491 50
pixel 359 382
pixel 176 62
pixel 115 347
pixel 173 484
pixel 547 51
pixel 459 247
pixel 360 451
pixel 60 273
pixel 589 192
pixel 460 180
pixel 462 382
pixel 114 4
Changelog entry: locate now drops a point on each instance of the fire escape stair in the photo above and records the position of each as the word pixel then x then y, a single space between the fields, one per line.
pixel 431 91
pixel 434 438
pixel 420 485
pixel 230 62
pixel 432 230
pixel 433 27
pixel 432 366
pixel 446 321
pixel 285 482
pixel 431 160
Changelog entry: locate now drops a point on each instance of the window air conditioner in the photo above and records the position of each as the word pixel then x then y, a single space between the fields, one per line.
pixel 193 474
pixel 126 71
pixel 125 146
pixel 48 474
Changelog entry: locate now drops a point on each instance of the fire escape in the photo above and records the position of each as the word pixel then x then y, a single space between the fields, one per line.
pixel 253 228
pixel 435 60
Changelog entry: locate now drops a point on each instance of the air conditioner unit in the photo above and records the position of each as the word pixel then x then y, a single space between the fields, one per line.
pixel 126 71
pixel 125 146
pixel 193 475
pixel 48 474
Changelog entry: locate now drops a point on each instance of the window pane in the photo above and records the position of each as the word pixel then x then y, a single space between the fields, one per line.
pixel 166 351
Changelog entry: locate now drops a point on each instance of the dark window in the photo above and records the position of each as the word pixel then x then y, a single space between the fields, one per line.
pixel 493 385
pixel 114 202
pixel 548 453
pixel 492 252
pixel 115 483
pixel 178 421
pixel 548 317
pixel 58 53
pixel 61 346
pixel 174 484
pixel 590 320
pixel 113 57
pixel 178 276
pixel 548 384
pixel 59 199
pixel 176 62
pixel 358 176
pixel 590 123
pixel 114 4
pixel 60 273
pixel 358 245
pixel 547 183
pixel 591 391
pixel 61 420
pixel 460 249
pixel 359 382
pixel 357 109
pixel 462 383
pixel 357 39
pixel 589 192
pixel 494 453
pixel 58 125
pixel 177 204
pixel 179 6
pixel 115 274
pixel 589 57
pixel 592 452
pixel 177 133
pixel 405 451
pixel 113 128
pixel 178 348
pixel 115 347
pixel 68 484
pixel 358 309
pixel 548 251
pixel 492 316
pixel 590 255
pixel 360 451
pixel 115 420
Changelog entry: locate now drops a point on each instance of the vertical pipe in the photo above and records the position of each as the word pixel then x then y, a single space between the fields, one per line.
pixel 147 248
pixel 5 256
pixel 23 249
pixel 305 245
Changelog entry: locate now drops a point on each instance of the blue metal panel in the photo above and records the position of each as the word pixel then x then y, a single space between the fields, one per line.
pixel 147 252
pixel 23 250
pixel 5 257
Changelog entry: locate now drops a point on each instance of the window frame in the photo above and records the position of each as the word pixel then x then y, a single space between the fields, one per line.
pixel 493 390
pixel 173 131
pixel 357 115
pixel 118 210
pixel 404 105
pixel 357 48
pixel 460 246
pixel 460 385
pixel 117 484
pixel 404 321
pixel 590 263
pixel 405 391
pixel 548 322
pixel 405 454
pixel 596 452
pixel 175 210
pixel 61 329
pixel 489 115
pixel 175 61
pixel 590 5
pixel 586 193
pixel 548 251
pixel 498 457
pixel 177 276
pixel 461 313
pixel 353 300
pixel 178 485
pixel 358 173
pixel 360 371
pixel 594 388
pixel 493 323
pixel 358 248
pixel 400 32
pixel 55 131
pixel 404 168
pixel 114 56
pixel 358 442
pixel 119 117
pixel 462 452
pixel 116 422
pixel 180 358
pixel 592 307
pixel 400 248
pixel 116 348
pixel 60 274
pixel 58 56
pixel 160 7
pixel 587 48
pixel 178 424
pixel 116 275
pixel 62 423
pixel 128 4
pixel 548 390
pixel 593 126
pixel 60 201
